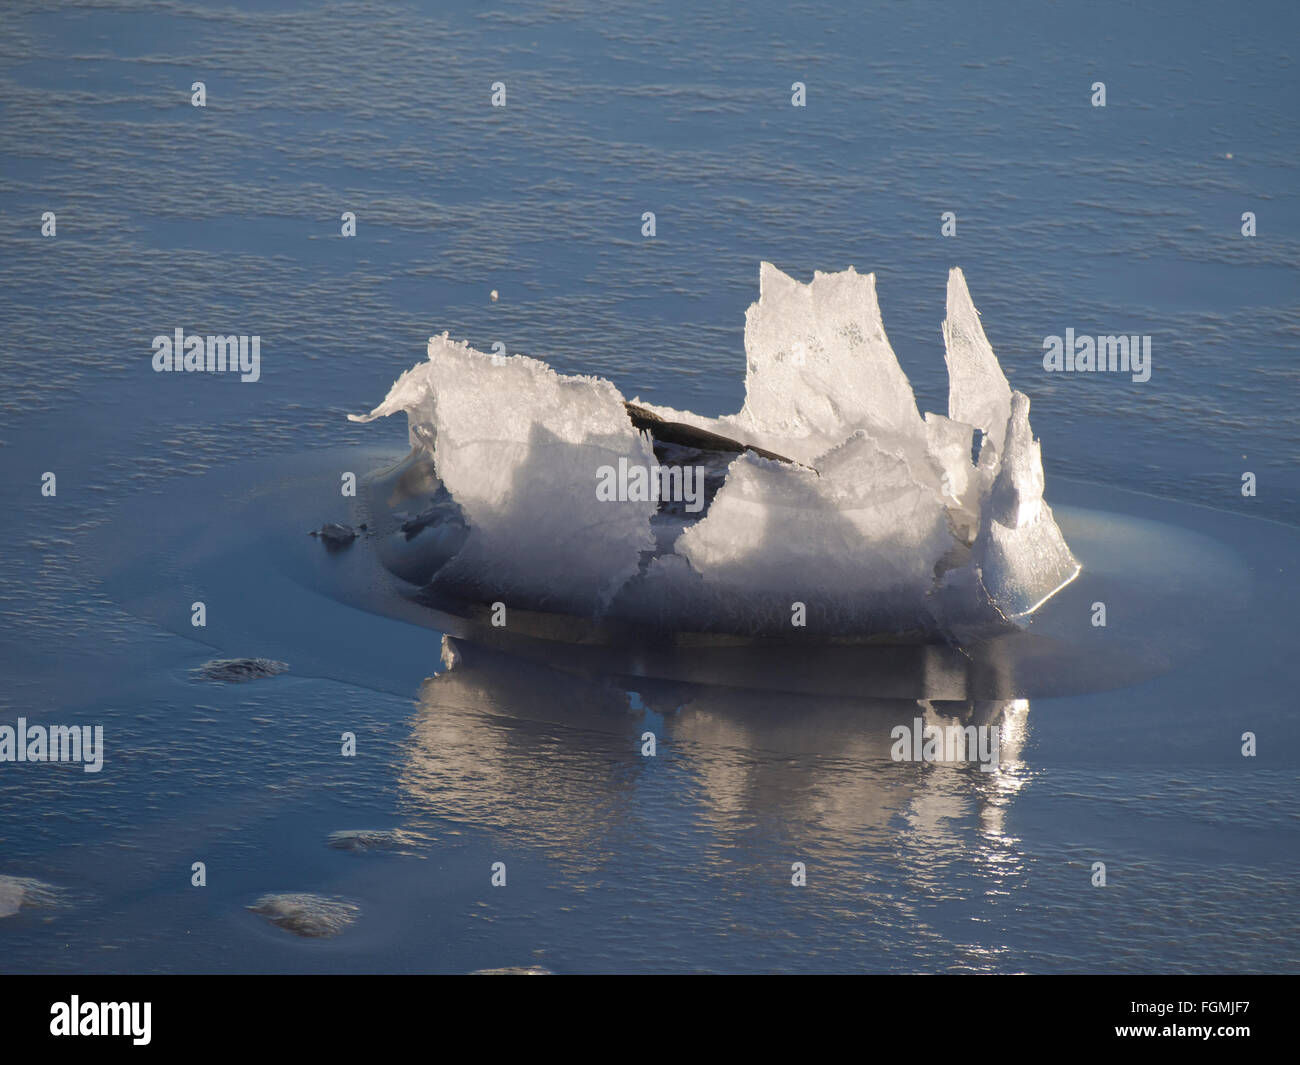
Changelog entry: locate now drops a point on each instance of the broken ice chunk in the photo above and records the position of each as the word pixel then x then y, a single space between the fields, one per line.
pixel 859 544
pixel 1017 494
pixel 305 914
pixel 519 447
pixel 820 366
pixel 950 446
pixel 978 393
pixel 888 523
pixel 239 670
pixel 1022 556
pixel 335 534
pixel 21 892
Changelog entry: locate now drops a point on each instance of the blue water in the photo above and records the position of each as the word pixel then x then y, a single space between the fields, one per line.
pixel 225 219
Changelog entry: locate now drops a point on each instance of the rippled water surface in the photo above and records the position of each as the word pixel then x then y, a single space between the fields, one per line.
pixel 174 488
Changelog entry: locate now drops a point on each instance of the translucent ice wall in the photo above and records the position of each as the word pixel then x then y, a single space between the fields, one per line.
pixel 518 446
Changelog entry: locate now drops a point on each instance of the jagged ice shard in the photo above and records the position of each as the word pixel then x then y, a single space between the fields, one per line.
pixel 516 445
pixel 859 518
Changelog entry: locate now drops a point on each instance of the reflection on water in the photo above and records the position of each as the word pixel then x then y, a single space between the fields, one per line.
pixel 1153 577
pixel 742 783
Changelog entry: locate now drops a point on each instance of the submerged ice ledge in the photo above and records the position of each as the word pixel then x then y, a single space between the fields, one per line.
pixel 827 506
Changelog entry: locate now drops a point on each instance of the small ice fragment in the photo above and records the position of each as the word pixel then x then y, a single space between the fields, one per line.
pixel 365 839
pixel 21 892
pixel 314 916
pixel 335 534
pixel 239 670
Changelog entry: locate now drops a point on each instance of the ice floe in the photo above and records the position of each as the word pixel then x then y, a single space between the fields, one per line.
pixel 833 505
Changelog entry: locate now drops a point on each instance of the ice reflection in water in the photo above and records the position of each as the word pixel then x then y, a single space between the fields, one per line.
pixel 743 784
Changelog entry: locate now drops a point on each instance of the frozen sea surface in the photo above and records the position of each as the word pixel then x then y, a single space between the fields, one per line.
pixel 174 488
